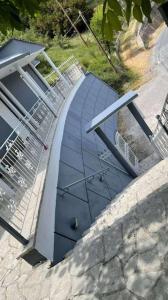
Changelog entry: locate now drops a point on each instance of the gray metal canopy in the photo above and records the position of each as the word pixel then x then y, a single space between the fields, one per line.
pixel 10 59
pixel 95 124
pixel 116 106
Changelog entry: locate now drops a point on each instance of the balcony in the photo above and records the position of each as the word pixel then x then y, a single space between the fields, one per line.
pixel 55 177
pixel 25 154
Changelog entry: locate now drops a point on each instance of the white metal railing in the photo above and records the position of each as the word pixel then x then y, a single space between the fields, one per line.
pixel 126 151
pixel 40 118
pixel 160 141
pixel 71 70
pixel 20 157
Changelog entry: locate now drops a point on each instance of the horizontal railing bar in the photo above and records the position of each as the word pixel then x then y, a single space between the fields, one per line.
pixel 85 178
pixel 114 166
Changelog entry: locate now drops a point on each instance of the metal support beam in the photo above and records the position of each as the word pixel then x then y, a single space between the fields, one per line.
pixel 115 152
pixel 53 66
pixel 35 88
pixel 43 80
pixel 137 115
pixel 13 232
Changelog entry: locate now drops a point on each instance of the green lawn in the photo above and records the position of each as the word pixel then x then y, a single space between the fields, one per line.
pixel 91 58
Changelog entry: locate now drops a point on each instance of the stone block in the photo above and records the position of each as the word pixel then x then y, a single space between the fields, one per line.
pixel 112 239
pixel 85 256
pixel 111 277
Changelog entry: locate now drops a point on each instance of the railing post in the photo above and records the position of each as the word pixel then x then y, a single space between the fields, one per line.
pixel 13 232
pixel 137 115
pixel 43 80
pixel 34 87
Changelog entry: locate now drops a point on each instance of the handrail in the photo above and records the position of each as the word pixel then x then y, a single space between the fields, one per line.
pixel 65 62
pixel 85 178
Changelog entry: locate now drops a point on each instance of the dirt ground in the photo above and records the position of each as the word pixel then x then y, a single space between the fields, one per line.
pixel 136 57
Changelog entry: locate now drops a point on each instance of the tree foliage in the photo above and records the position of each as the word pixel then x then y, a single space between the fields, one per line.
pixel 12 11
pixel 96 23
pixel 46 16
pixel 52 21
pixel 116 12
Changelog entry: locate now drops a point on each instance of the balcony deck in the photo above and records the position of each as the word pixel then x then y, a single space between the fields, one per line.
pixel 61 177
pixel 76 156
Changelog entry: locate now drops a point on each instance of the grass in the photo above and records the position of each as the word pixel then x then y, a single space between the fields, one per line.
pixel 135 57
pixel 91 58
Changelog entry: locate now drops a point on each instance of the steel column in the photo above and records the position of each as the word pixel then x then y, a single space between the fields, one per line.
pixel 137 115
pixel 115 152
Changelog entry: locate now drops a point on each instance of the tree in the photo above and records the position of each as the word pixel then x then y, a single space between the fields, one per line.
pixel 116 12
pixel 51 20
pixel 12 13
pixel 96 23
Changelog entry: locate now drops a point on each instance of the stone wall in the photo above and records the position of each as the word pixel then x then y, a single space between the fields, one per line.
pixel 124 255
pixel 146 29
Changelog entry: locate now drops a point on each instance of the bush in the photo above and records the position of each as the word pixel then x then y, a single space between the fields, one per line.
pixel 96 21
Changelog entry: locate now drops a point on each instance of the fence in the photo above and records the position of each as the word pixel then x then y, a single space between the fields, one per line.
pixel 126 151
pixel 71 70
pixel 20 158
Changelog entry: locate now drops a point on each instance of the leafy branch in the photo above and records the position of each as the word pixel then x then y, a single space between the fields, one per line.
pixel 11 12
pixel 116 12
